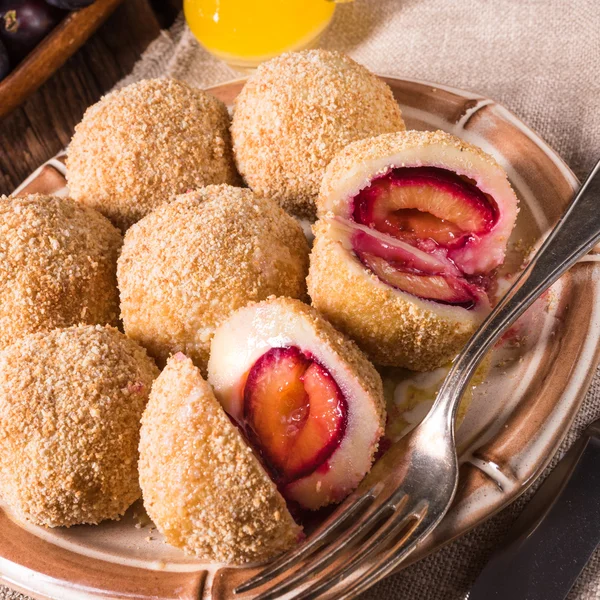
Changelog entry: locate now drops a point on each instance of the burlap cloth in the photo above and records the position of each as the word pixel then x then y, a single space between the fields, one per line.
pixel 541 59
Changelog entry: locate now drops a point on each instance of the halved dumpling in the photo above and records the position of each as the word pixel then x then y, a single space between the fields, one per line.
pixel 413 226
pixel 307 399
pixel 430 189
pixel 202 485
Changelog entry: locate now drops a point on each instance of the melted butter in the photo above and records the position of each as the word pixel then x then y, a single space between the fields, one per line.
pixel 409 396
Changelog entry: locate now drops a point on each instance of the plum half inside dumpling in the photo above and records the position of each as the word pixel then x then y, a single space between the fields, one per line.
pixel 306 398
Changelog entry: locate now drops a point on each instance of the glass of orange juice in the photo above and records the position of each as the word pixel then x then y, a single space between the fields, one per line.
pixel 244 33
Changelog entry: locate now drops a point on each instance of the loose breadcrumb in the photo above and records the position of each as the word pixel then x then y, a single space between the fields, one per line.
pixel 139 146
pixel 202 485
pixel 186 266
pixel 58 263
pixel 70 407
pixel 296 112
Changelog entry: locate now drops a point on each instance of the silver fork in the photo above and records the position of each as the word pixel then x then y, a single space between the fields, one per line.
pixel 410 489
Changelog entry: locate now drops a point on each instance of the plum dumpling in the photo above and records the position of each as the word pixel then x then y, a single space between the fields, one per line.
pixel 305 396
pixel 412 226
pixel 291 420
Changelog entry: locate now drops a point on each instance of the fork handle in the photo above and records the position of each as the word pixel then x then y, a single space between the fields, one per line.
pixel 575 234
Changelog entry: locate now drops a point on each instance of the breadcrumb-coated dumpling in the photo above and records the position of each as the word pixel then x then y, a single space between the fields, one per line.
pixel 295 112
pixel 70 407
pixel 202 485
pixel 189 264
pixel 58 266
pixel 412 226
pixel 139 146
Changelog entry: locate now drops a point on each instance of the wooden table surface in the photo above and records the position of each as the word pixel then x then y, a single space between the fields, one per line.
pixel 43 125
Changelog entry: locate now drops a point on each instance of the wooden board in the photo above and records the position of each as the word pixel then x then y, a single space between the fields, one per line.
pixel 44 123
pixel 52 52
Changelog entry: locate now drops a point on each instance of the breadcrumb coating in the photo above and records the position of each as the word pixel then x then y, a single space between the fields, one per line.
pixel 70 407
pixel 186 266
pixel 202 485
pixel 296 112
pixel 139 146
pixel 58 263
pixel 394 328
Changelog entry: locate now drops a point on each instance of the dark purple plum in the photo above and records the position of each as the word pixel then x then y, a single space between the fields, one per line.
pixel 23 25
pixel 70 4
pixel 4 62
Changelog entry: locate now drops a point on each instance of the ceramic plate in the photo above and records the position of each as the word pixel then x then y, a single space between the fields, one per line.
pixel 517 419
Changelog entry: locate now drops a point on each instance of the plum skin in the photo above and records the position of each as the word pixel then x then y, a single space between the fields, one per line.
pixel 435 178
pixel 397 221
pixel 71 4
pixel 303 363
pixel 24 24
pixel 4 62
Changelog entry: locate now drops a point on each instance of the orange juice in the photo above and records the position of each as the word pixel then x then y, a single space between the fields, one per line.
pixel 246 32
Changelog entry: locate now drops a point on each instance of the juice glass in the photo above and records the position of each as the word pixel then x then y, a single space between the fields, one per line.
pixel 245 33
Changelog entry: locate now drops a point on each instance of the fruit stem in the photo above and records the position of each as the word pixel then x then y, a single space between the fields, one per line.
pixel 11 23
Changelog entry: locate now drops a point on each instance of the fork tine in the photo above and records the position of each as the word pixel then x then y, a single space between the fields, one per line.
pixel 352 535
pixel 386 564
pixel 290 559
pixel 392 527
